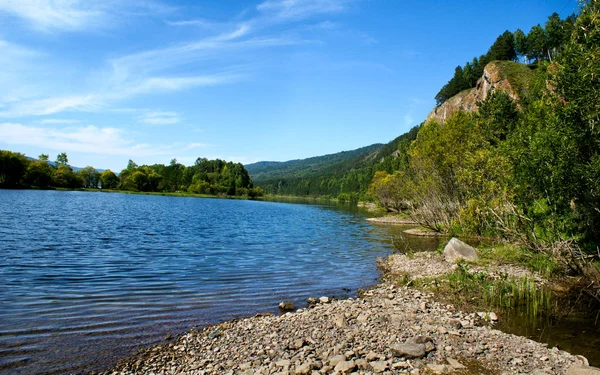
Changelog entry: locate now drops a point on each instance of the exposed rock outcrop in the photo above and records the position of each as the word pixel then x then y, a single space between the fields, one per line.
pixel 494 77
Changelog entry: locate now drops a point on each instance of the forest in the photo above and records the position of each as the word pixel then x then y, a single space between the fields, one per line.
pixel 209 177
pixel 526 171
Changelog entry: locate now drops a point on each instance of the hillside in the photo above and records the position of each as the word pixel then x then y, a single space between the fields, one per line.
pixel 266 170
pixel 510 77
pixel 348 172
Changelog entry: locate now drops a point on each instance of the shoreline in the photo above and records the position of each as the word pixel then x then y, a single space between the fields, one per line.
pixel 388 329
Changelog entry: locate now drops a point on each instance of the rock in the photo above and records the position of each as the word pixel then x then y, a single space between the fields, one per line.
pixel 456 249
pixel 455 364
pixel 334 360
pixel 245 366
pixel 379 366
pixel 493 317
pixel 363 317
pixel 437 369
pixel 283 363
pixel 583 370
pixel 324 299
pixel 287 305
pixel 340 321
pixel 408 350
pixel 312 301
pixel 303 369
pixel 371 356
pixel 297 344
pixel 584 361
pixel 344 366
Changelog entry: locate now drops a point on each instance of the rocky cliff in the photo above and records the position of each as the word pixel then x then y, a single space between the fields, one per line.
pixel 511 77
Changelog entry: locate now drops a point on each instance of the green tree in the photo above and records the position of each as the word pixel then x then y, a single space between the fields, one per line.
pixel 62 159
pixel 39 174
pixel 12 168
pixel 503 48
pixel 90 177
pixel 109 179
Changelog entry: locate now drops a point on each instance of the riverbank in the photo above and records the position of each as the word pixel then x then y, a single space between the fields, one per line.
pixel 389 329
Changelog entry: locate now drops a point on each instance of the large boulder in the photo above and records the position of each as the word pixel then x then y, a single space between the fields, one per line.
pixel 583 370
pixel 456 250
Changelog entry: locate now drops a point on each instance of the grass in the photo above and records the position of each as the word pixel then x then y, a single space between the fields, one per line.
pixel 520 76
pixel 543 263
pixel 479 290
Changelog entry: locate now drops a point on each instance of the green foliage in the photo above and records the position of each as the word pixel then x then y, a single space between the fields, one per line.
pixel 109 179
pixel 12 168
pixel 204 177
pixel 347 172
pixel 39 174
pixel 90 177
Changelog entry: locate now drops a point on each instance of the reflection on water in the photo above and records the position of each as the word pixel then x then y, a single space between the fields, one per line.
pixel 88 277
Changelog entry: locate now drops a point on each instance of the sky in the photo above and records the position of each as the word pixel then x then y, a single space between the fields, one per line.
pixel 152 80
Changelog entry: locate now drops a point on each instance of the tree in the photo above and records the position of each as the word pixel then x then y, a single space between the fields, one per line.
pixel 62 159
pixel 12 168
pixel 503 48
pixel 109 179
pixel 65 177
pixel 536 43
pixel 90 177
pixel 520 43
pixel 39 174
pixel 44 157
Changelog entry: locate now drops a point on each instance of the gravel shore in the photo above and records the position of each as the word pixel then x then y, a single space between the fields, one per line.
pixel 387 330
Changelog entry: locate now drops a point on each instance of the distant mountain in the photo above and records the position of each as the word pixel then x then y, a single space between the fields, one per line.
pixel 347 172
pixel 314 166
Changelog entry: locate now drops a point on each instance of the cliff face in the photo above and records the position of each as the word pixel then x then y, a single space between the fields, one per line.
pixel 509 77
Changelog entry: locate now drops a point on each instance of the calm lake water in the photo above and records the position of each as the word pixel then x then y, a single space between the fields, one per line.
pixel 89 277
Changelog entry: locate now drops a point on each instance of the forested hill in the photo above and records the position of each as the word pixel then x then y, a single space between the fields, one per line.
pixel 345 174
pixel 265 170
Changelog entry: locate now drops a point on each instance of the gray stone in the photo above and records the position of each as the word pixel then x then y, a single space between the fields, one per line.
pixel 456 249
pixel 379 366
pixel 340 321
pixel 334 360
pixel 344 366
pixel 408 350
pixel 324 299
pixel 583 370
pixel 287 305
pixel 304 368
pixel 455 364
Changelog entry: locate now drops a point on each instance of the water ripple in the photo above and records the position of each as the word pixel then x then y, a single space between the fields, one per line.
pixel 88 277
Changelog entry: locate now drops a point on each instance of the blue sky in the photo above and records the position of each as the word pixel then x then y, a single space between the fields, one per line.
pixel 111 80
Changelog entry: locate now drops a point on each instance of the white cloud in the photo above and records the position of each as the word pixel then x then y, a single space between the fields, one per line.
pixel 85 139
pixel 48 106
pixel 160 118
pixel 59 121
pixel 298 9
pixel 195 145
pixel 77 15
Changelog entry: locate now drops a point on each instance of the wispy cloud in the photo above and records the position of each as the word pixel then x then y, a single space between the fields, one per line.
pixel 51 106
pixel 75 15
pixel 59 121
pixel 298 9
pixel 195 145
pixel 160 118
pixel 86 139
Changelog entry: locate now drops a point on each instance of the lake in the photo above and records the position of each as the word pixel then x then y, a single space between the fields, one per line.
pixel 89 277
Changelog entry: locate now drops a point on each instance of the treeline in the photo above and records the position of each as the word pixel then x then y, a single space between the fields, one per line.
pixel 346 177
pixel 530 175
pixel 212 177
pixel 541 43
